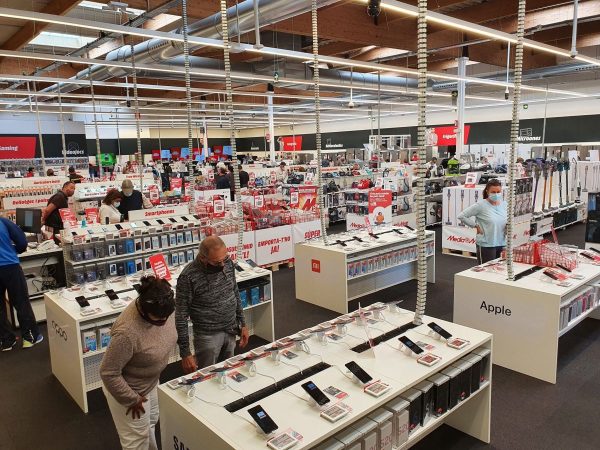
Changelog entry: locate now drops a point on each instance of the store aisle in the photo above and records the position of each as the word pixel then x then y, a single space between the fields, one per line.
pixel 38 414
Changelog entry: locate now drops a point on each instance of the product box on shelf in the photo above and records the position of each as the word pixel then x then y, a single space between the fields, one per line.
pixel 441 387
pixel 351 438
pixel 399 407
pixel 464 379
pixel 475 361
pixel 454 387
pixel 427 400
pixel 415 409
pixel 383 418
pixel 89 341
pixel 104 334
pixel 367 428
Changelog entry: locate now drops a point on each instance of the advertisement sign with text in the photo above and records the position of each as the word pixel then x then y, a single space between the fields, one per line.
pixel 248 240
pixel 447 135
pixel 159 266
pixel 274 245
pixel 307 198
pixel 459 238
pixel 17 147
pixel 380 206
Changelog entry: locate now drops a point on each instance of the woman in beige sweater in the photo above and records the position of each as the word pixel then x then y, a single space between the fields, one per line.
pixel 142 339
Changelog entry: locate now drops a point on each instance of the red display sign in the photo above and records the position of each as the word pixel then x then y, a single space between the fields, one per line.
pixel 447 135
pixel 290 143
pixel 68 217
pixel 159 266
pixel 175 153
pixel 316 265
pixel 155 155
pixel 176 183
pixel 17 147
pixel 91 215
pixel 307 197
pixel 380 206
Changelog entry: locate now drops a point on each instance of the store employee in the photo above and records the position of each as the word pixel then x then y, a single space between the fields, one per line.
pixel 132 199
pixel 60 200
pixel 207 293
pixel 489 217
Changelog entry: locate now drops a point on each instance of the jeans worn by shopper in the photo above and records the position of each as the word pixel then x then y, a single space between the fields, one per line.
pixel 213 348
pixel 13 283
pixel 485 254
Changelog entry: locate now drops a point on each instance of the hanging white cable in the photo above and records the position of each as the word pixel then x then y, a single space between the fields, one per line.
pixel 229 89
pixel 507 92
pixel 62 129
pixel 118 132
pixel 315 48
pixel 421 162
pixel 98 155
pixel 514 132
pixel 188 99
pixel 39 125
pixel 136 109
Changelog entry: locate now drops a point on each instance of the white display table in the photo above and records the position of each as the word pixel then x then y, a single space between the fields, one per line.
pixel 328 276
pixel 524 315
pixel 200 421
pixel 77 371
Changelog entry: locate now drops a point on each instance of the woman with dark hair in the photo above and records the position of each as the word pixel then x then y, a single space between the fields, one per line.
pixel 142 339
pixel 110 207
pixel 489 217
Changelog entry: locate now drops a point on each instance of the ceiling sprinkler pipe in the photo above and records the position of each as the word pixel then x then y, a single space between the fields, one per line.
pixel 574 35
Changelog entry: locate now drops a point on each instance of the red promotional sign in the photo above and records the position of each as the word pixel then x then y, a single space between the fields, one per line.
pixel 159 266
pixel 316 265
pixel 91 215
pixel 176 183
pixel 290 143
pixel 196 152
pixel 155 155
pixel 68 217
pixel 217 150
pixel 307 197
pixel 17 147
pixel 380 206
pixel 218 207
pixel 175 153
pixel 154 194
pixel 447 135
pixel 252 180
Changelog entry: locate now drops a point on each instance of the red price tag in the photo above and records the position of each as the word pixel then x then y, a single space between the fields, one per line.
pixel 159 266
pixel 368 225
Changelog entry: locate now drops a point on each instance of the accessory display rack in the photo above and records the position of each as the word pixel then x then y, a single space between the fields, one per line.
pixel 323 275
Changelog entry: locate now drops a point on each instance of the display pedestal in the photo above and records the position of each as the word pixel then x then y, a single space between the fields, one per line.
pixel 524 316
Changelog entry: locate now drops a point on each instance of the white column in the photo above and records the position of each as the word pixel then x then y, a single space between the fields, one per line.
pixel 460 122
pixel 271 127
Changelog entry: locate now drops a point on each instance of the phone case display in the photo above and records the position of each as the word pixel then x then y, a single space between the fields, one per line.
pixel 584 302
pixel 523 196
pixel 376 263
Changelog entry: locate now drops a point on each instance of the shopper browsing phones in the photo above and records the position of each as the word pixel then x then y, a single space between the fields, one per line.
pixel 488 217
pixel 207 293
pixel 132 199
pixel 142 339
pixel 109 211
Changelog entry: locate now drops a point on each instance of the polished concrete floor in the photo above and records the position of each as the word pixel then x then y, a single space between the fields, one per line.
pixel 36 413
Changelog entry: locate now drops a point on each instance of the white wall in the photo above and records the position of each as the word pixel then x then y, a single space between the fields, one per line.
pixel 26 123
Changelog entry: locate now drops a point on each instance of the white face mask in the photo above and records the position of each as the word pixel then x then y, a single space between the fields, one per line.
pixel 127 193
pixel 116 204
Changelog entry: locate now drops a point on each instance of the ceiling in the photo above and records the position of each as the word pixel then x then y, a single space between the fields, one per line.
pixel 345 31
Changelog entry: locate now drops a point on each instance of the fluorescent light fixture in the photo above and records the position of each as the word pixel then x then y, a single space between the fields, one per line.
pixel 61 40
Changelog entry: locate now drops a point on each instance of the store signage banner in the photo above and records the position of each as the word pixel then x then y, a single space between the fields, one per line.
pixel 274 245
pixel 44 181
pixel 522 233
pixel 472 179
pixel 307 197
pixel 459 238
pixel 294 198
pixel 154 194
pixel 304 231
pixel 155 155
pixel 249 251
pixel 447 135
pixel 380 206
pixel 290 143
pixel 252 180
pixel 176 184
pixel 142 214
pixel 29 201
pixel 17 147
pixel 159 266
pixel 273 177
pixel 175 153
pixel 355 222
pixel 405 220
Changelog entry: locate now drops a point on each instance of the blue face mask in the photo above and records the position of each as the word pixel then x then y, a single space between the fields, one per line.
pixel 495 197
pixel 116 204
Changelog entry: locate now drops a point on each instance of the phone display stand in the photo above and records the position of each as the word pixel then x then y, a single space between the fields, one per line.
pixel 302 346
pixel 251 367
pixel 342 329
pixel 276 356
pixel 407 351
pixel 436 336
pixel 89 311
pixel 118 304
pixel 322 337
pixel 221 378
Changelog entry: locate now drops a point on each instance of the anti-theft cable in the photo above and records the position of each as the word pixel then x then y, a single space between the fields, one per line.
pixel 514 132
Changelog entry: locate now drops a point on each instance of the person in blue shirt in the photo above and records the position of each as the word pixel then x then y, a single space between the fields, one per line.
pixel 489 217
pixel 12 281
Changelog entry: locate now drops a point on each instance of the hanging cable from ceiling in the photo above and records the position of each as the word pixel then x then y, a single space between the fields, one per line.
pixel 62 129
pixel 138 132
pixel 229 112
pixel 39 125
pixel 316 88
pixel 514 133
pixel 421 161
pixel 98 155
pixel 188 100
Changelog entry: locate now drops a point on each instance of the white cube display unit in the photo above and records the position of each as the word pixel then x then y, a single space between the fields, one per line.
pixel 214 414
pixel 331 275
pixel 75 340
pixel 527 316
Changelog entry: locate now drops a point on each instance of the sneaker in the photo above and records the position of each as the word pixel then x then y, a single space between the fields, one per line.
pixel 29 341
pixel 7 346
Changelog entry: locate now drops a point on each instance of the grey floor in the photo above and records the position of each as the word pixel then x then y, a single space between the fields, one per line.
pixel 36 413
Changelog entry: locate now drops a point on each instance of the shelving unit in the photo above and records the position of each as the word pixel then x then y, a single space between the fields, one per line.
pixel 78 371
pixel 526 326
pixel 203 422
pixel 322 272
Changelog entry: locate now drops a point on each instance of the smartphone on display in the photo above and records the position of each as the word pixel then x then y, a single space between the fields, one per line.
pixel 238 267
pixel 410 345
pixel 262 419
pixel 316 393
pixel 594 250
pixel 356 238
pixel 252 263
pixel 160 221
pixel 409 227
pixel 110 293
pixel 172 220
pixel 373 235
pixel 81 301
pixel 137 287
pixel 118 226
pixel 566 269
pixel 439 330
pixel 358 372
pixel 185 219
pixel 146 223
pixel 340 243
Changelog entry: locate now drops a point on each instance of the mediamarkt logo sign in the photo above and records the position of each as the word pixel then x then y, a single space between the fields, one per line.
pixel 461 240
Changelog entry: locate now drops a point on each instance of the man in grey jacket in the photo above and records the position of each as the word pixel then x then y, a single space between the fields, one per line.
pixel 207 293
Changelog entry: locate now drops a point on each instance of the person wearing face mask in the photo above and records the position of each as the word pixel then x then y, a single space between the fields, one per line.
pixel 109 211
pixel 141 341
pixel 488 216
pixel 132 199
pixel 207 293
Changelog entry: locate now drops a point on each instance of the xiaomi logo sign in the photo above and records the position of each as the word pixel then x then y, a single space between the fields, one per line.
pixel 316 265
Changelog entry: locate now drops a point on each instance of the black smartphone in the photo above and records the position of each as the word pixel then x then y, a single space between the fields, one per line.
pixel 342 321
pixel 110 293
pixel 262 419
pixel 397 231
pixel 146 223
pixel 160 221
pixel 316 393
pixel 197 217
pixel 341 243
pixel 172 220
pixel 251 357
pixel 356 238
pixel 252 263
pixel 551 274
pixel 527 272
pixel 566 269
pixel 439 330
pixel 358 372
pixel 185 219
pixel 220 369
pixel 411 345
pixel 118 226
pixel 137 287
pixel 594 250
pixel 238 267
pixel 373 235
pixel 409 227
pixel 82 301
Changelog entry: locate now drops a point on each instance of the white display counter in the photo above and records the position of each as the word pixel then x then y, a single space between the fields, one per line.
pixel 330 276
pixel 78 371
pixel 198 419
pixel 524 315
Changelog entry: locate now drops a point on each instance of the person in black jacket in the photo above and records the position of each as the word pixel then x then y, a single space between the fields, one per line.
pixel 132 199
pixel 244 177
pixel 221 180
pixel 12 281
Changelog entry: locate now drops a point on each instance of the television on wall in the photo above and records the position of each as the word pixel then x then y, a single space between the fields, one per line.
pixel 108 159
